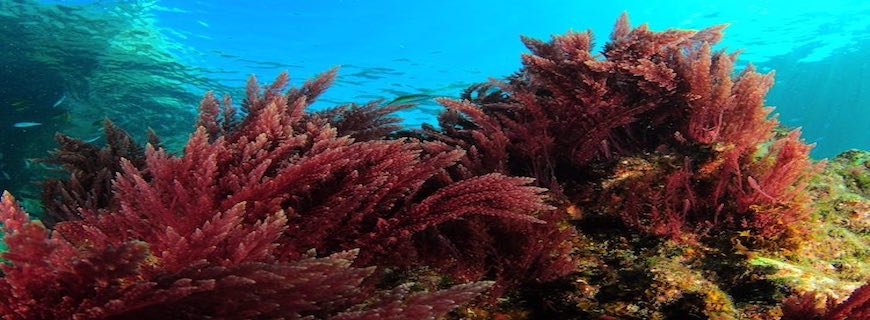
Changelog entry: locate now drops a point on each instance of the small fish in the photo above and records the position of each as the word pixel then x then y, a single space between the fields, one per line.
pixel 26 124
pixel 34 163
pixel 20 105
pixel 59 101
pixel 410 98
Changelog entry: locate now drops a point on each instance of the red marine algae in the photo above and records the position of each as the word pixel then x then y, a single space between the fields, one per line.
pixel 857 306
pixel 663 97
pixel 238 216
pixel 91 170
pixel 125 281
pixel 637 183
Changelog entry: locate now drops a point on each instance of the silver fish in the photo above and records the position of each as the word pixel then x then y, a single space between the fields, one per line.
pixel 26 124
pixel 59 101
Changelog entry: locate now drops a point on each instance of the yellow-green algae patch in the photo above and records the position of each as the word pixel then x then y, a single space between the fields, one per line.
pixel 835 259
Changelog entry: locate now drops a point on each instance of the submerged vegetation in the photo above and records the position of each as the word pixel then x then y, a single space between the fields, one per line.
pixel 648 182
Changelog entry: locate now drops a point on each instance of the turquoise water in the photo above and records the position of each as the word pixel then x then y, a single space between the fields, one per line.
pixel 67 64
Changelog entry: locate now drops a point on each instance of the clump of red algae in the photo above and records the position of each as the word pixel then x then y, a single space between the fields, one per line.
pixel 671 194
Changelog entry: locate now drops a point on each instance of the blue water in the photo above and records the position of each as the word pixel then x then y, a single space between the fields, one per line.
pixel 818 49
pixel 145 63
